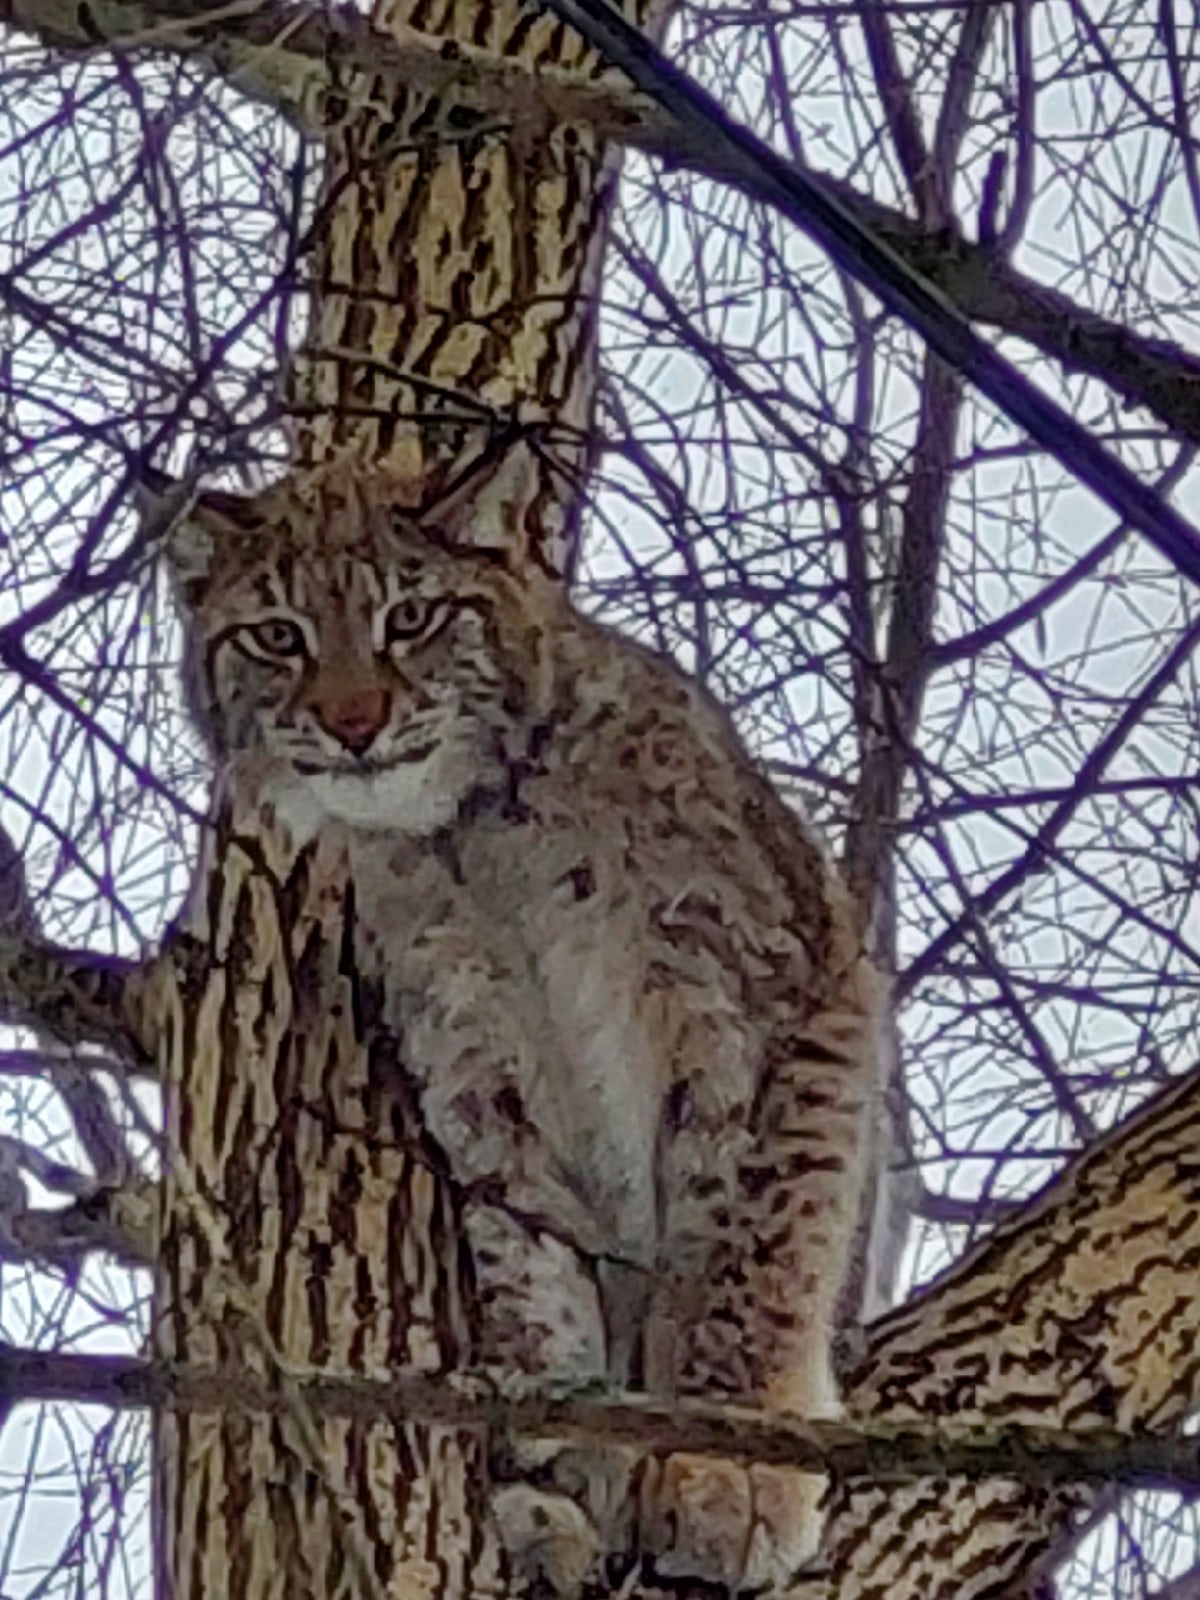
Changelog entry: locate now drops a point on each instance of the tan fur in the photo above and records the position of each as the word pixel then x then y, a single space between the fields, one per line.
pixel 624 978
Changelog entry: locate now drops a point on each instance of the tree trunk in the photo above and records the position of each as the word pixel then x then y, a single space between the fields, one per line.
pixel 306 1224
pixel 456 269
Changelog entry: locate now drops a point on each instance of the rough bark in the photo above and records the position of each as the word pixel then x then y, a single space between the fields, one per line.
pixel 1082 1311
pixel 308 1226
pixel 456 269
pixel 303 1229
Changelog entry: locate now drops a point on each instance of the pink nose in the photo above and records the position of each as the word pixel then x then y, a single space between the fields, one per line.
pixel 355 719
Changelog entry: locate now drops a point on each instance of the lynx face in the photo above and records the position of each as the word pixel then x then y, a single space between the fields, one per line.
pixel 352 663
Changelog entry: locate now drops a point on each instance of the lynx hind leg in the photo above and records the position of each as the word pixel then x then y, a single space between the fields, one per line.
pixel 759 1325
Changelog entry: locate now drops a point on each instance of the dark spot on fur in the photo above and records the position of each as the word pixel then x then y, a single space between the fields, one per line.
pixel 508 1104
pixel 583 880
pixel 678 1107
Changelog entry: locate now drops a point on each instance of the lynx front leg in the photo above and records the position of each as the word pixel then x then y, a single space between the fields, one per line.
pixel 464 1026
pixel 758 1325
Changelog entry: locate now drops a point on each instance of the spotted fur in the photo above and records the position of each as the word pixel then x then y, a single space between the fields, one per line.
pixel 616 996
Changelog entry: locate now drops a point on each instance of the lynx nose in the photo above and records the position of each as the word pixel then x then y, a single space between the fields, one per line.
pixel 355 719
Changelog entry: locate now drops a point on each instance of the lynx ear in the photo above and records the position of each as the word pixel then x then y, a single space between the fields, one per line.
pixel 198 530
pixel 165 509
pixel 486 508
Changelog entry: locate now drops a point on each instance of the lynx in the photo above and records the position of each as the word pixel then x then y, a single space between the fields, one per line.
pixel 624 979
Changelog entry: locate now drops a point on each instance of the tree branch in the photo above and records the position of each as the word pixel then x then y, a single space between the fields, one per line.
pixel 954 113
pixel 1082 1310
pixel 78 996
pixel 39 1063
pixel 1008 235
pixel 120 1222
pixel 870 838
pixel 877 1451
pixel 1040 846
pixel 899 111
pixel 955 1211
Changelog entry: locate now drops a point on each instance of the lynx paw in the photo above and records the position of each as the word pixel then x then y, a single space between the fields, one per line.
pixel 547 1536
pixel 743 1528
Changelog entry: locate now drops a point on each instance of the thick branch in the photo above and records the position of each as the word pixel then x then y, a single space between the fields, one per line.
pixel 78 996
pixel 118 1222
pixel 1083 1310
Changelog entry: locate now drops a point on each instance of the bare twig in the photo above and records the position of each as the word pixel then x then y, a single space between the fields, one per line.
pixel 1010 232
pixel 870 838
pixel 902 120
pixel 953 121
pixel 976 279
pixel 1006 882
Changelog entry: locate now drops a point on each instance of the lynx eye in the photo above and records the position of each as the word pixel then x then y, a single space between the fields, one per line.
pixel 276 637
pixel 414 617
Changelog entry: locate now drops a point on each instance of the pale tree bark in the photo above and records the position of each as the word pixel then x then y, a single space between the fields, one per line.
pixel 456 266
pixel 1083 1310
pixel 454 274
